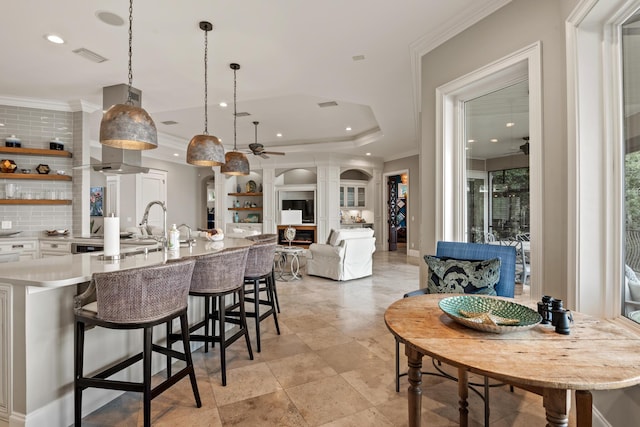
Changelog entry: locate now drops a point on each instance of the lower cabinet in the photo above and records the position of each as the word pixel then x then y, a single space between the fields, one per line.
pixel 49 249
pixel 27 249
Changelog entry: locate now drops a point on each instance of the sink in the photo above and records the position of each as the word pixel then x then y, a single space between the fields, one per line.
pixel 137 242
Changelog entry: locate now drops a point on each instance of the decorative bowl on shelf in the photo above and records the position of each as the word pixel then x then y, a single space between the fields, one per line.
pixel 25 170
pixel 43 169
pixel 7 166
pixel 489 314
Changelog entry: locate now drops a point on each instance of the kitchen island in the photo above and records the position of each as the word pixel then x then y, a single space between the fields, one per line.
pixel 37 331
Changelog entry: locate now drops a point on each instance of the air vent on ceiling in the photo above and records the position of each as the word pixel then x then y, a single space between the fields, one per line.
pixel 169 122
pixel 91 56
pixel 358 57
pixel 243 114
pixel 327 104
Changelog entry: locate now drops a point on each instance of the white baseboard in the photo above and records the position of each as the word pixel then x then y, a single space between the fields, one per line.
pixel 413 253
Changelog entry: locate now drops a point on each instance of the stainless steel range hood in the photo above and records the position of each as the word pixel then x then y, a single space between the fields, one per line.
pixel 116 160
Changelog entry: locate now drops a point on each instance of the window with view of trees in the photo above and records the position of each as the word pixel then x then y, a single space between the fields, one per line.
pixel 631 82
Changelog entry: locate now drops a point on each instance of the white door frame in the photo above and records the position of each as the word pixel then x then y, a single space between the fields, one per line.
pixel 385 211
pixel 450 145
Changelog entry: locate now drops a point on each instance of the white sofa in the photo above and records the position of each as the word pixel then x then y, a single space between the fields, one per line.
pixel 348 254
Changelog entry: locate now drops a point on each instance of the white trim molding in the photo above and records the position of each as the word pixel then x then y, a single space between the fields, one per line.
pixel 450 153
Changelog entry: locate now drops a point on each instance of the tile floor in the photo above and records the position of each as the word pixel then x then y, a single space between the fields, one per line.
pixel 332 365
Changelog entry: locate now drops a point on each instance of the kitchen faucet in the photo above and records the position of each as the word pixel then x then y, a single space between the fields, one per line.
pixel 145 220
pixel 189 240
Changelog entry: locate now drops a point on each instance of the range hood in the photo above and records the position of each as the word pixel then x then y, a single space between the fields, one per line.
pixel 117 160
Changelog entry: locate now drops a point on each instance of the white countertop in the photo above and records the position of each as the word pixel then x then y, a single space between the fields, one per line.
pixel 73 269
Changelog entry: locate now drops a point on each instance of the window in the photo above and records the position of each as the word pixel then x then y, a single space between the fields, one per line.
pixel 631 101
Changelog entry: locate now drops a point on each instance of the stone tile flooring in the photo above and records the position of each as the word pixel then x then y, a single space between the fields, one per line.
pixel 332 365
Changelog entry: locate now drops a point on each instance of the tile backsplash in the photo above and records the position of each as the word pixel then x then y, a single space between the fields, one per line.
pixel 36 128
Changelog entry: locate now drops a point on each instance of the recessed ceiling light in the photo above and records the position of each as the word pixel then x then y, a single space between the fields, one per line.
pixel 510 124
pixel 493 140
pixel 368 154
pixel 348 128
pixel 54 38
pixel 176 154
pixel 279 135
pixel 1 124
pixel 471 140
pixel 223 104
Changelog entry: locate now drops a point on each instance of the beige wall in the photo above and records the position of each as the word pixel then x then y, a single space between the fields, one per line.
pixel 511 28
pixel 412 164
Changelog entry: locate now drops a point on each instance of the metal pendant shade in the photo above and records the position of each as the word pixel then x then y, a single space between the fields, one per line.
pixel 236 163
pixel 129 127
pixel 205 149
pixel 125 125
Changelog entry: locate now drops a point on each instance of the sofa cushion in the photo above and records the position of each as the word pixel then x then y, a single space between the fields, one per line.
pixel 461 276
pixel 331 234
pixel 350 233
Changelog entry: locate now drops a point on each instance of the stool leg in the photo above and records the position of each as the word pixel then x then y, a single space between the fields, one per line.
pixel 275 290
pixel 146 363
pixel 256 307
pixel 270 290
pixel 184 326
pixel 207 318
pixel 169 345
pixel 243 322
pixel 79 361
pixel 223 344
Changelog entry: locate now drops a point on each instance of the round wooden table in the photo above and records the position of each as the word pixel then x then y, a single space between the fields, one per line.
pixel 597 355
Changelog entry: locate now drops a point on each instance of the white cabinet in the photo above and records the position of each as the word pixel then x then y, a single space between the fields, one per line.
pixel 28 248
pixel 49 249
pixel 353 195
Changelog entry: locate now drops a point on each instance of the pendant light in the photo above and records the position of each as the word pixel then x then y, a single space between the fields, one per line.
pixel 205 149
pixel 236 163
pixel 125 125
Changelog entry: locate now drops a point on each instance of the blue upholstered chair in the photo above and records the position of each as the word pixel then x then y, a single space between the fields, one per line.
pixel 480 251
pixel 504 288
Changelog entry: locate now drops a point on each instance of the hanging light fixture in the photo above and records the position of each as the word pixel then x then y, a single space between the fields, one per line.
pixel 236 163
pixel 125 125
pixel 205 149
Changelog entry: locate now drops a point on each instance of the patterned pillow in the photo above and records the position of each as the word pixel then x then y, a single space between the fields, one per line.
pixel 462 276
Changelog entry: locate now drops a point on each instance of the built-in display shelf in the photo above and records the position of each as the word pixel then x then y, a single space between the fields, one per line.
pixel 245 194
pixel 246 209
pixel 35 151
pixel 35 176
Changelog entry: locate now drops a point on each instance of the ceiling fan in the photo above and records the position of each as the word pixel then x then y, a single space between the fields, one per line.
pixel 258 149
pixel 525 147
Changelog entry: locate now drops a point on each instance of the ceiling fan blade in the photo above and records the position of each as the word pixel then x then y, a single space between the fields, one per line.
pixel 275 153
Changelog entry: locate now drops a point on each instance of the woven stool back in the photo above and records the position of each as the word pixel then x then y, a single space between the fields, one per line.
pixel 219 272
pixel 263 238
pixel 143 294
pixel 260 259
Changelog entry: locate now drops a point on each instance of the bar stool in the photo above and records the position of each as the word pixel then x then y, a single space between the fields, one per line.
pixel 214 277
pixel 138 298
pixel 259 271
pixel 264 238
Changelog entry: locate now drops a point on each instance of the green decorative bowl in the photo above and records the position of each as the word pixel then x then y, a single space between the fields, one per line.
pixel 489 314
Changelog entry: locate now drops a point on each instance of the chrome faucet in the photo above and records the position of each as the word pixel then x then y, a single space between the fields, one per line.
pixel 145 220
pixel 189 240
